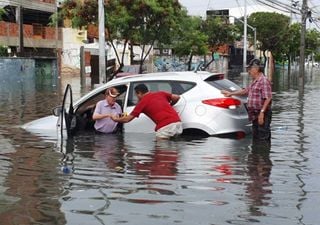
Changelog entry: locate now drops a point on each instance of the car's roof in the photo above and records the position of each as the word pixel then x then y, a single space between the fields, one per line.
pixel 185 76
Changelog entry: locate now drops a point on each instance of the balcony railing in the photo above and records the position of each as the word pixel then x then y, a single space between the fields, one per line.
pixel 34 31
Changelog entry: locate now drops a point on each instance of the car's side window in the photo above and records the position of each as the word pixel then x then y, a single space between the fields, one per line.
pixel 160 86
pixel 180 87
pixel 174 87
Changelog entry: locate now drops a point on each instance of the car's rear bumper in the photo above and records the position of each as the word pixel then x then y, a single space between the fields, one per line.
pixel 216 121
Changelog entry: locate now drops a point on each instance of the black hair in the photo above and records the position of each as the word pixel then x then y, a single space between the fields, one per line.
pixel 142 88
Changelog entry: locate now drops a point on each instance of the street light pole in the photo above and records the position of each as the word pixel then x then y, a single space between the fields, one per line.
pixel 102 48
pixel 255 34
pixel 255 42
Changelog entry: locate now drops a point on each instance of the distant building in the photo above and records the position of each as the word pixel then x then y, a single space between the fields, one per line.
pixel 25 29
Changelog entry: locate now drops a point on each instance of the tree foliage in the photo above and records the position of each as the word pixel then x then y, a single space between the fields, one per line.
pixel 80 14
pixel 312 41
pixel 219 32
pixel 143 22
pixel 271 28
pixel 190 40
pixel 2 13
pixel 3 51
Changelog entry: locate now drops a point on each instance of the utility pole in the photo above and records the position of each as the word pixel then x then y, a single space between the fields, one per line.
pixel 291 8
pixel 19 19
pixel 102 48
pixel 304 13
pixel 245 38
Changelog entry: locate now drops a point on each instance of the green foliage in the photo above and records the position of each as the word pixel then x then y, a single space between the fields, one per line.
pixel 219 32
pixel 312 41
pixel 143 22
pixel 2 12
pixel 80 14
pixel 189 38
pixel 271 29
pixel 54 19
pixel 289 47
pixel 3 51
pixel 317 56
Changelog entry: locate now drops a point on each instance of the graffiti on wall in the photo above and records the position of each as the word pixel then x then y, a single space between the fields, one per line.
pixel 166 64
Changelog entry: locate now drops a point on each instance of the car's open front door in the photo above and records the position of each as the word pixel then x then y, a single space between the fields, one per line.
pixel 67 116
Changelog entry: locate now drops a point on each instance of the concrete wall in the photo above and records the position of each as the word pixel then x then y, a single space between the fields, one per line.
pixel 21 69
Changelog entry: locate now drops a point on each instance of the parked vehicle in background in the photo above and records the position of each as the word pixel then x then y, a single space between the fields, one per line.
pixel 202 108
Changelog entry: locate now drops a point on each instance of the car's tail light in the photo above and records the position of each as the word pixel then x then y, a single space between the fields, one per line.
pixel 227 103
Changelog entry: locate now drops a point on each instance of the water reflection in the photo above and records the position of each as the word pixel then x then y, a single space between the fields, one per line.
pixel 31 177
pixel 259 189
pixel 129 172
pixel 67 148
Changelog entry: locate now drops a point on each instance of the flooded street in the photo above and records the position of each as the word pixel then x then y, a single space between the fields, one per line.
pixel 134 179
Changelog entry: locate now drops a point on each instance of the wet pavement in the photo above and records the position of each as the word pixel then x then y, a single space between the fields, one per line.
pixel 134 179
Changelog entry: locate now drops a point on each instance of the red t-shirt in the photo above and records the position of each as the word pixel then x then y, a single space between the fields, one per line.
pixel 156 105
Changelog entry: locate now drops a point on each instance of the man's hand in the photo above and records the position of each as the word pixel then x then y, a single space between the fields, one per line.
pixel 115 118
pixel 261 118
pixel 226 93
pixel 174 99
pixel 123 119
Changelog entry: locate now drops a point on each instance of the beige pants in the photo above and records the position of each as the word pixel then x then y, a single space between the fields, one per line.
pixel 171 130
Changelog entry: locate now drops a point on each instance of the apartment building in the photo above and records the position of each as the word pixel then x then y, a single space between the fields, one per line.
pixel 25 30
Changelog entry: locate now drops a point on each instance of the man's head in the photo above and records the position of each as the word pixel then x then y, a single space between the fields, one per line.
pixel 111 95
pixel 140 90
pixel 254 66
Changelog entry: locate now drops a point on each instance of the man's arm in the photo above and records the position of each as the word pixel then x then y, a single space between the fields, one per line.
pixel 97 116
pixel 174 99
pixel 230 93
pixel 123 119
pixel 264 108
pixel 266 104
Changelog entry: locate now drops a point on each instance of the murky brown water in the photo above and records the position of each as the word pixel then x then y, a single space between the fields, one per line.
pixel 133 179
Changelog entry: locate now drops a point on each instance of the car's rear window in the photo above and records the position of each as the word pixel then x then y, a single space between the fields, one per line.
pixel 222 84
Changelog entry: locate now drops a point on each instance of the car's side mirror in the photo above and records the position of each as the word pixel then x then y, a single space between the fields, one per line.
pixel 56 111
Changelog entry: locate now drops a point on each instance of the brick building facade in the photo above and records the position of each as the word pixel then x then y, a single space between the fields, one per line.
pixel 25 29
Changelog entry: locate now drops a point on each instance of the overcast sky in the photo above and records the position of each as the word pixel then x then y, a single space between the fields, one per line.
pixel 199 7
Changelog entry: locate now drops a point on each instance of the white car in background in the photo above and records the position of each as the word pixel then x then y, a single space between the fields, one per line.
pixel 202 108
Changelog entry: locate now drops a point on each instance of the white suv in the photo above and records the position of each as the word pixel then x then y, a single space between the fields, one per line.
pixel 202 107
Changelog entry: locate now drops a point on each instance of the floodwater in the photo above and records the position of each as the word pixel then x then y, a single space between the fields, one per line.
pixel 133 179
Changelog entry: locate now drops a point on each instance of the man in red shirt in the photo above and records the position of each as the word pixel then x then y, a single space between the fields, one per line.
pixel 259 101
pixel 157 106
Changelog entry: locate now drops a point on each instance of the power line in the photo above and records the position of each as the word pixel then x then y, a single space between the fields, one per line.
pixel 240 8
pixel 280 7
